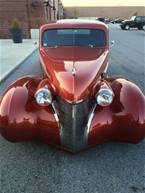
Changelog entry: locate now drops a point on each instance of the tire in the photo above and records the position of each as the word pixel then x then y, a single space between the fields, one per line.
pixel 122 28
pixel 140 28
pixel 127 27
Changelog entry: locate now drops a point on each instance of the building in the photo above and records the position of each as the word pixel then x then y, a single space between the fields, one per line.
pixel 111 12
pixel 31 14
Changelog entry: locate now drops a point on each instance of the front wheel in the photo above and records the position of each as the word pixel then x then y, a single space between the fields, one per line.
pixel 140 28
pixel 127 27
pixel 122 28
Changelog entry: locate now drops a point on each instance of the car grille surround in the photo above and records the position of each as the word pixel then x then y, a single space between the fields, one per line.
pixel 73 119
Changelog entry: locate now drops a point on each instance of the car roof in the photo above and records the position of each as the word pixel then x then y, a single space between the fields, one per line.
pixel 80 21
pixel 74 23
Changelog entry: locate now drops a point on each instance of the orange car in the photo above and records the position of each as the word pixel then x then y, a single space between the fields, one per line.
pixel 74 105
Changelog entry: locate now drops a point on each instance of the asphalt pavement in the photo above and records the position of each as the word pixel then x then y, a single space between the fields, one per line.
pixel 109 168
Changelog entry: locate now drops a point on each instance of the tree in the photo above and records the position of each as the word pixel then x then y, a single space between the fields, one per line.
pixel 135 14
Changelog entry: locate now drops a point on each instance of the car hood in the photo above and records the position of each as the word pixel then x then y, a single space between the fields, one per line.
pixel 74 72
pixel 126 21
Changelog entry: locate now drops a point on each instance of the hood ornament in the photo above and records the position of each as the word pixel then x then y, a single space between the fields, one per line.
pixel 74 71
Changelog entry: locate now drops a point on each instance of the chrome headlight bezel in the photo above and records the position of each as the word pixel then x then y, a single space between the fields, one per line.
pixel 43 97
pixel 105 97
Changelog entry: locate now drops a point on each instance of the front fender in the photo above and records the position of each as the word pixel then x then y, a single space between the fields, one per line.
pixel 124 119
pixel 22 119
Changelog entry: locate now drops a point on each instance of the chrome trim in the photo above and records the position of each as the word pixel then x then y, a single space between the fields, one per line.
pixel 55 112
pixel 105 71
pixel 56 117
pixel 74 122
pixel 75 102
pixel 74 71
pixel 90 120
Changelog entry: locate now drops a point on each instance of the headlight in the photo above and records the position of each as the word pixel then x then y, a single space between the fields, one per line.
pixel 104 97
pixel 43 97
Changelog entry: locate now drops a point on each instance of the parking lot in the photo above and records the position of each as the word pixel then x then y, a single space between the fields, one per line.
pixel 108 168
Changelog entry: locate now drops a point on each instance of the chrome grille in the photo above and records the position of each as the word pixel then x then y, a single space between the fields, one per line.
pixel 74 119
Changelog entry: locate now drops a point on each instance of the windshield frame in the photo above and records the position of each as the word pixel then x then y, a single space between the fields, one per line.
pixel 93 46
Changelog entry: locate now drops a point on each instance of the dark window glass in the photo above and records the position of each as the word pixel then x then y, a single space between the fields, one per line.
pixel 138 18
pixel 74 37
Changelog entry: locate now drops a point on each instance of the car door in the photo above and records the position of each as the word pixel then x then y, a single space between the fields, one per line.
pixel 143 20
pixel 138 21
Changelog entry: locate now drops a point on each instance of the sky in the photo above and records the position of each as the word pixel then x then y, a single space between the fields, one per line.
pixel 70 3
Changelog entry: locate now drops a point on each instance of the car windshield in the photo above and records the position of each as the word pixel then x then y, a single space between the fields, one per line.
pixel 133 18
pixel 74 37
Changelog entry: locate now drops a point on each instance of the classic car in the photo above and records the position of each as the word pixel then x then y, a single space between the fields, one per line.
pixel 74 105
pixel 117 21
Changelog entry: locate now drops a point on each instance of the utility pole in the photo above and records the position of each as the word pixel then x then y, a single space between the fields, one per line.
pixel 54 9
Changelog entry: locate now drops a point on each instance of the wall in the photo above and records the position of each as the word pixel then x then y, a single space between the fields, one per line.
pixel 31 13
pixel 112 12
pixel 10 9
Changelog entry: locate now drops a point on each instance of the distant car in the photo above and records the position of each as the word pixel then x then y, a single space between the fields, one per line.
pixel 134 22
pixel 117 21
pixel 107 20
pixel 102 19
pixel 74 106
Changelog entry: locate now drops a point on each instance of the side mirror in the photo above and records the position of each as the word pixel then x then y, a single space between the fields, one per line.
pixel 112 43
pixel 35 42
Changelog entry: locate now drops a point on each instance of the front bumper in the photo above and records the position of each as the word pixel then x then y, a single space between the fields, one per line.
pixel 72 127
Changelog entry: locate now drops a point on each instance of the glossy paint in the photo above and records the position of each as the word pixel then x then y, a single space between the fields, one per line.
pixel 22 119
pixel 124 119
pixel 89 63
pixel 59 71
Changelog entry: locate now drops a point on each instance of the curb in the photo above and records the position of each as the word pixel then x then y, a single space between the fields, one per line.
pixel 19 64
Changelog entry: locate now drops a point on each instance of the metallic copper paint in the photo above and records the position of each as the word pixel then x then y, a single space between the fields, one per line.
pixel 22 119
pixel 124 119
pixel 87 71
pixel 88 62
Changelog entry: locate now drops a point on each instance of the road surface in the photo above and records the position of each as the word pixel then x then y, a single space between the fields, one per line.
pixel 108 168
